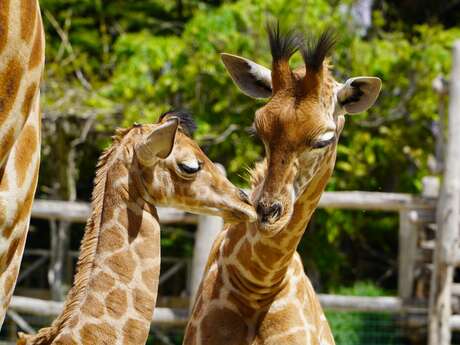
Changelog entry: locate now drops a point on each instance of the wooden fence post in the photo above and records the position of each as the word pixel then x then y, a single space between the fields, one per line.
pixel 408 233
pixel 60 245
pixel 448 217
pixel 207 230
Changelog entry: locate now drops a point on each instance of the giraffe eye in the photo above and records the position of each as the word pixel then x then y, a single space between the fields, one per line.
pixel 189 168
pixel 324 140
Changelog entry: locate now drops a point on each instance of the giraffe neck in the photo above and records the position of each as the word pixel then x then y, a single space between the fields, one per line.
pixel 114 290
pixel 21 68
pixel 255 264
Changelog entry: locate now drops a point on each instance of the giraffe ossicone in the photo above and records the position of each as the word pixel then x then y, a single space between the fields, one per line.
pixel 115 287
pixel 254 290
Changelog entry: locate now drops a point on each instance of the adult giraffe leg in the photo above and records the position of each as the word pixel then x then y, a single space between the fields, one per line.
pixel 17 190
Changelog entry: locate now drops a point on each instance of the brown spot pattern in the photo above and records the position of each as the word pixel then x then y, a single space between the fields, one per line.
pixel 102 333
pixel 134 223
pixel 269 255
pixel 102 282
pixel 73 322
pixel 4 14
pixel 320 185
pixel 116 303
pixel 244 308
pixel 222 326
pixel 23 211
pixel 26 146
pixel 151 276
pixel 65 339
pixel 111 240
pixel 12 250
pixel 36 54
pixel 9 282
pixel 217 286
pixel 123 265
pixel 2 215
pixel 27 203
pixel 93 306
pixel 135 332
pixel 244 257
pixel 10 80
pixel 144 304
pixel 4 182
pixel 28 100
pixel 7 143
pixel 28 14
pixel 280 321
pixel 149 246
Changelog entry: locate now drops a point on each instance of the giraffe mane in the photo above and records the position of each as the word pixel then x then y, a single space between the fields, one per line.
pixel 87 252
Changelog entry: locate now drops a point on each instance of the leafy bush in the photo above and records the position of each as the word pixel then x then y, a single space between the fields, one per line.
pixel 142 58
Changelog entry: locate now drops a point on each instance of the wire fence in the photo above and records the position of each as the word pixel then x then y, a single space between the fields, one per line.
pixel 353 328
pixel 349 328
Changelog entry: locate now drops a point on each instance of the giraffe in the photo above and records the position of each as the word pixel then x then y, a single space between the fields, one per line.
pixel 254 290
pixel 21 70
pixel 115 288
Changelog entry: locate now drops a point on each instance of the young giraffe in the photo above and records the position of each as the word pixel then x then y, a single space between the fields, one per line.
pixel 21 69
pixel 254 289
pixel 116 284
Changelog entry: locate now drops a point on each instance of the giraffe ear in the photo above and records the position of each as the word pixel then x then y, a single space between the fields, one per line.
pixel 251 78
pixel 359 94
pixel 159 142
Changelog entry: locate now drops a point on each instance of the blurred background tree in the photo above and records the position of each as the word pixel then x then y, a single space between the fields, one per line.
pixel 111 63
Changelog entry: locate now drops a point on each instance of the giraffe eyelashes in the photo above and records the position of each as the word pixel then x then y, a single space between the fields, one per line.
pixel 252 131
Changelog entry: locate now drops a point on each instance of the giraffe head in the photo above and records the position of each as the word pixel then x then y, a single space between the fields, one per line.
pixel 302 120
pixel 175 172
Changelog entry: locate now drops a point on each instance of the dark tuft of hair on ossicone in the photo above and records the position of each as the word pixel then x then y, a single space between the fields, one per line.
pixel 315 50
pixel 283 44
pixel 186 120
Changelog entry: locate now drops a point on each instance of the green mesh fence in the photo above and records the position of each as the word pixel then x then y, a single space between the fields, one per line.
pixel 348 328
pixel 353 328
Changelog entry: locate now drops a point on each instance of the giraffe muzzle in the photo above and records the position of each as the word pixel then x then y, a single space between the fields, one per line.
pixel 269 213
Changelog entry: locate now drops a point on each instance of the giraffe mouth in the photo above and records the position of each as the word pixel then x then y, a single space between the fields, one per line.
pixel 230 215
pixel 273 225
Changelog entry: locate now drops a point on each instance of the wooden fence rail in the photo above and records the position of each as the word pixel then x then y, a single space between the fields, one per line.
pixel 409 207
pixel 78 212
pixel 179 317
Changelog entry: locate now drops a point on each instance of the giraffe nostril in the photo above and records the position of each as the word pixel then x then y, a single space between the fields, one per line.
pixel 275 210
pixel 261 212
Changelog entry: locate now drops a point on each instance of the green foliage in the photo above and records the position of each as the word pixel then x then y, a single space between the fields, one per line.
pixel 144 57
